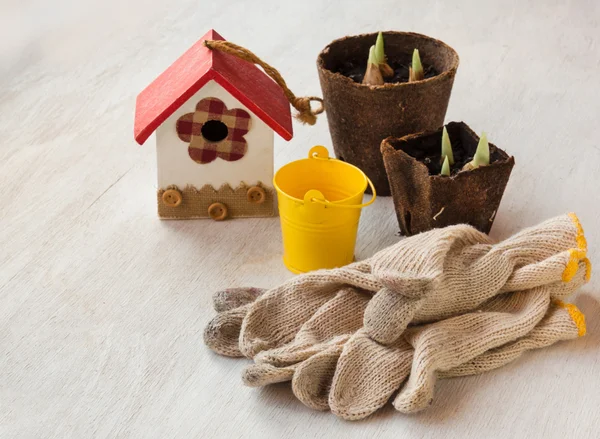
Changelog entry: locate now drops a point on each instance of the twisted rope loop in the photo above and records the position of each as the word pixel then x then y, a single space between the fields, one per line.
pixel 302 104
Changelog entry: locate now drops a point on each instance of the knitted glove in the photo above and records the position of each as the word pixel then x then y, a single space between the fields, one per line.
pixel 368 373
pixel 454 270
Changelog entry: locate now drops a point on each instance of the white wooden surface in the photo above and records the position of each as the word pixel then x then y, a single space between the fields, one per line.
pixel 102 305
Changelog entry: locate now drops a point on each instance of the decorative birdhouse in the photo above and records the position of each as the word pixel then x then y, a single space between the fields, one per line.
pixel 215 116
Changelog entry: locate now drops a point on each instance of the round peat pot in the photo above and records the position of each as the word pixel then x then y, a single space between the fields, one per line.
pixel 360 116
pixel 320 201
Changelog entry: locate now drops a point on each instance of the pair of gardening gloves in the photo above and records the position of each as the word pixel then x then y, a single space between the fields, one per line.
pixel 448 302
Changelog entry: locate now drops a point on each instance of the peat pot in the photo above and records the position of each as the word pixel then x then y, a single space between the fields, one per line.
pixel 424 200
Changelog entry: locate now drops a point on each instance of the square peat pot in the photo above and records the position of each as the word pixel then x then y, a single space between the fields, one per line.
pixel 424 200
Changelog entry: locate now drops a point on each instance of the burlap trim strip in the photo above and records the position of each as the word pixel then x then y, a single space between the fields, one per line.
pixel 195 202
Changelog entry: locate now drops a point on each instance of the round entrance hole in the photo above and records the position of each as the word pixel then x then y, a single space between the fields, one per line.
pixel 214 130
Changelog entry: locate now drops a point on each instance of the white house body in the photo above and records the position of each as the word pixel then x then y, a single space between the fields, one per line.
pixel 176 168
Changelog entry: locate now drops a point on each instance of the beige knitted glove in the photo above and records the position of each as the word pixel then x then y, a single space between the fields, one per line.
pixel 454 270
pixel 368 373
pixel 312 357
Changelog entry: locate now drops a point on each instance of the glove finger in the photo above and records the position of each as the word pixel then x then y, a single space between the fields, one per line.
pixel 231 298
pixel 366 376
pixel 276 317
pixel 388 314
pixel 562 266
pixel 562 322
pixel 258 375
pixel 454 341
pixel 312 379
pixel 223 331
pixel 263 374
pixel 294 353
pixel 332 323
pixel 544 240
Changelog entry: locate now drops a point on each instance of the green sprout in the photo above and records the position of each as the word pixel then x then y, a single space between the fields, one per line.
pixel 447 146
pixel 386 70
pixel 379 52
pixel 372 57
pixel 482 154
pixel 372 74
pixel 415 71
pixel 446 167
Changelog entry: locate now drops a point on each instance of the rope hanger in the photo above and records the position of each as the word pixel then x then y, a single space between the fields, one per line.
pixel 302 104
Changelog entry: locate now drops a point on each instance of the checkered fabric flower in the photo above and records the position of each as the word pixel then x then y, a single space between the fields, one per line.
pixel 202 150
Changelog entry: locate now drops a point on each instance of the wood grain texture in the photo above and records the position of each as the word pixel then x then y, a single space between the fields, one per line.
pixel 102 305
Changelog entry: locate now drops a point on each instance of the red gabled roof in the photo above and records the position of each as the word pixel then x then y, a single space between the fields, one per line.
pixel 249 85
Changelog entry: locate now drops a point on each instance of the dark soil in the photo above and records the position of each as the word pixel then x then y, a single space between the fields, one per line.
pixel 433 160
pixel 356 71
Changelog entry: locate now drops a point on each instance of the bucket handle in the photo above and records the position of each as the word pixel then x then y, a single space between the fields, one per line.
pixel 319 152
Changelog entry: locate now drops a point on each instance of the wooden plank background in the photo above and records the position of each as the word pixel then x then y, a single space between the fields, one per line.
pixel 102 306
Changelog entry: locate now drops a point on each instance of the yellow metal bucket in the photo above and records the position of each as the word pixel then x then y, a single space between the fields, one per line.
pixel 320 201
